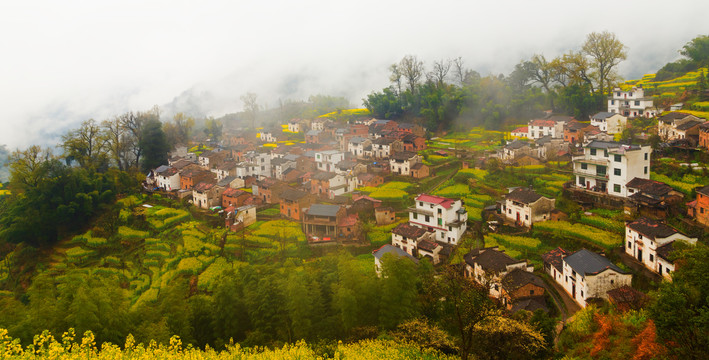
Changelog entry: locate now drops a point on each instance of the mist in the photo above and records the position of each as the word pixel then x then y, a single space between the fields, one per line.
pixel 69 62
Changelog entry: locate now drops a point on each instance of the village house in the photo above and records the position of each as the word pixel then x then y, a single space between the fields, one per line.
pixel 232 182
pixel 699 208
pixel 280 165
pixel 525 207
pixel 261 161
pixel 295 125
pixel 607 166
pixel 168 179
pixel 411 142
pixel 394 252
pixel 431 250
pixel 224 169
pixel 522 290
pixel 382 148
pixel 643 239
pixel 363 205
pixel 631 103
pixel 212 159
pixel 609 122
pixel 401 162
pixel 513 150
pixel 269 190
pixel 241 217
pixel 520 132
pixel 192 176
pixel 329 185
pixel 420 171
pixel 318 124
pixel 359 147
pixel 678 126
pixel 703 137
pixel 327 160
pixel 539 128
pixel 369 180
pixel 293 202
pixel 323 223
pixel 553 264
pixel 411 128
pixel 234 197
pixel 313 136
pixel 246 169
pixel 446 217
pixel 574 131
pixel 487 266
pixel 588 275
pixel 385 215
pixel 206 195
pixel 272 136
pixel 238 152
pixel 650 197
pixel 350 168
pixel 547 147
pixel 407 237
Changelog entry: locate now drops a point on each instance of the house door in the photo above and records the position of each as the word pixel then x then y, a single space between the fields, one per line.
pixel 518 217
pixel 640 255
pixel 573 291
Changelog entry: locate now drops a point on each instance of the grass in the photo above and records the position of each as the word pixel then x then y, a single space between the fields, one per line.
pixel 598 237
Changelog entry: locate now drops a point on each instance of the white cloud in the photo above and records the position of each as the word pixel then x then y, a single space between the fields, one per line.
pixel 63 62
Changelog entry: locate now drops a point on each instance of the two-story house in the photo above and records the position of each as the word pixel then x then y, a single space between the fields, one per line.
pixel 607 166
pixel 280 165
pixel 446 217
pixel 401 162
pixel 327 160
pixel 609 122
pixel 525 207
pixel 411 142
pixel 522 290
pixel 407 237
pixel 234 197
pixel 191 176
pixel 359 147
pixel 293 202
pixel 382 148
pixel 513 150
pixel 520 132
pixel 206 195
pixel 487 266
pixel 269 190
pixel 699 208
pixel 678 125
pixel 643 238
pixel 295 125
pixel 168 179
pixel 631 103
pixel 224 170
pixel 324 223
pixel 539 128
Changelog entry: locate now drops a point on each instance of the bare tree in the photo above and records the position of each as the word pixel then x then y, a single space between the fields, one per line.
pixel 251 107
pixel 119 142
pixel 411 69
pixel 86 145
pixel 440 71
pixel 607 52
pixel 459 70
pixel 577 69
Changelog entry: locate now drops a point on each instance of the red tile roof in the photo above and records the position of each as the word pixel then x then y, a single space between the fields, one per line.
pixel 545 123
pixel 438 200
pixel 523 129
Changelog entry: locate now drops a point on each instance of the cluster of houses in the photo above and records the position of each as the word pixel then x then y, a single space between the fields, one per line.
pixel 309 180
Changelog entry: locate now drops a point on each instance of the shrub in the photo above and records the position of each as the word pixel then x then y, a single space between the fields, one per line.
pixel 131 234
pixel 598 237
pixel 457 190
pixel 389 194
pixel 516 241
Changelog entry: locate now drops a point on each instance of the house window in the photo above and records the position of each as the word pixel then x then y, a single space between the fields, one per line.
pixel 497 287
pixel 605 153
pixel 629 245
pixel 667 270
pixel 652 258
pixel 428 218
pixel 584 166
pixel 645 156
pixel 645 170
pixel 439 212
pixel 616 188
pixel 637 103
pixel 416 216
pixel 617 94
pixel 450 228
pixel 617 158
pixel 509 211
pixel 526 217
pixel 612 102
pixel 440 222
pixel 582 181
pixel 616 172
pixel 531 292
pixel 593 151
pixel 581 293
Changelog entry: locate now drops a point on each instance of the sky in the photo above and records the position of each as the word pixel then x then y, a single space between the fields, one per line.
pixel 63 62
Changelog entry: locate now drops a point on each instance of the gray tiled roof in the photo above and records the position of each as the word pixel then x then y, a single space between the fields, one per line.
pixel 587 262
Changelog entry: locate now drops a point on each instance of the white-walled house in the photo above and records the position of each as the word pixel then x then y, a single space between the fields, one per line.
pixel 631 103
pixel 608 122
pixel 446 217
pixel 294 126
pixel 393 251
pixel 678 125
pixel 488 266
pixel 169 179
pixel 400 163
pixel 525 207
pixel 539 128
pixel 382 147
pixel 590 275
pixel 607 166
pixel 328 160
pixel 359 146
pixel 521 132
pixel 643 239
pixel 407 237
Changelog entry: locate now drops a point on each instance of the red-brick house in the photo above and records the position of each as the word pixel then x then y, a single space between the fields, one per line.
pixel 234 197
pixel 411 142
pixel 192 176
pixel 369 179
pixel 293 202
pixel 699 208
pixel 269 190
pixel 704 135
pixel 420 171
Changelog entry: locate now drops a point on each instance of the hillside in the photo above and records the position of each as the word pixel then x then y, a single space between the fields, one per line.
pixel 680 89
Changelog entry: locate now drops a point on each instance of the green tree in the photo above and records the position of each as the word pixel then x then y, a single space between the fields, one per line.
pixel 153 144
pixel 606 52
pixel 501 338
pixel 87 146
pixel 230 319
pixel 697 50
pixel 399 294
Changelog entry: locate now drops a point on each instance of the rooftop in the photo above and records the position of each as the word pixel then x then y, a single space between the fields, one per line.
pixel 390 249
pixel 437 200
pixel 323 210
pixel 523 195
pixel 587 262
pixel 409 231
pixel 490 259
pixel 651 228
